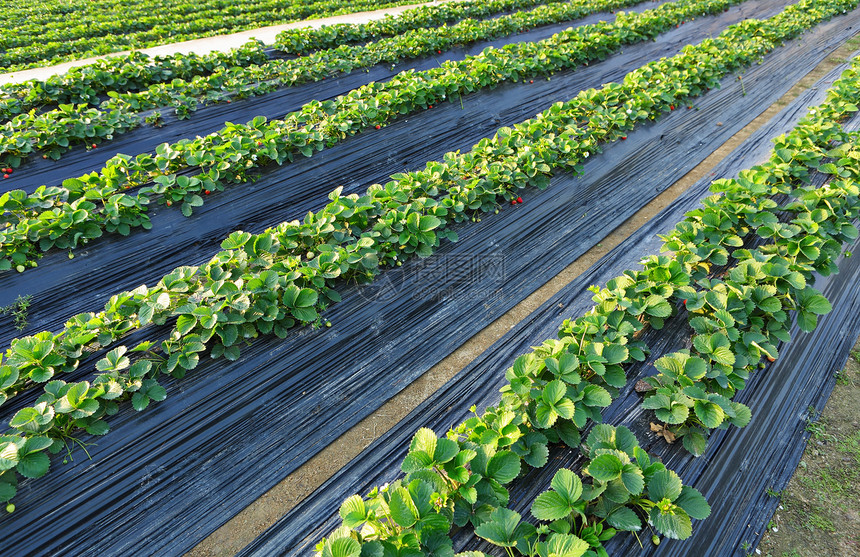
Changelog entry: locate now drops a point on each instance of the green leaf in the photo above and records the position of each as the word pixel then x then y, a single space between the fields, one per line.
pixel 664 484
pixel 554 391
pixel 631 477
pixel 98 427
pixel 709 413
pixel 605 467
pixel 566 545
pixel 549 505
pixel 305 314
pixel 595 395
pixel 307 298
pixel 743 415
pixel 817 304
pixel 446 450
pixel 428 222
pixel 806 321
pixel 424 440
pixel 185 323
pixel 353 512
pixel 7 491
pixel 695 443
pixel 402 509
pixel 8 455
pixel 693 503
pixel 623 518
pixel 567 484
pixel 501 529
pixel 675 524
pixel 34 465
pixel 342 547
pixel 503 467
pixel 236 240
pixel 139 401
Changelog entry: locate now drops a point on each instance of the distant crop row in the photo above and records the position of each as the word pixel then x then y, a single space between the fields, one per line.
pixel 55 131
pixel 137 71
pixel 52 32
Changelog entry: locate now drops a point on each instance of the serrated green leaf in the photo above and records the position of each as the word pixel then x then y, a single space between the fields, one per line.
pixel 33 465
pixel 675 525
pixel 605 467
pixel 710 414
pixel 567 484
pixel 693 503
pixel 664 484
pixel 623 518
pixel 549 505
pixel 695 443
pixel 503 467
pixel 402 508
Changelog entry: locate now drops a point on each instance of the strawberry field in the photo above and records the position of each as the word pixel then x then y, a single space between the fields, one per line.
pixel 214 266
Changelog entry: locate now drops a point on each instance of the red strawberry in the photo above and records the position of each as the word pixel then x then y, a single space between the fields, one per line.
pixel 259 144
pixel 685 302
pixel 229 101
pixel 207 192
pixel 431 106
pixel 378 126
pixel 94 145
pixel 671 107
pixel 531 81
pixel 519 199
pixel 438 52
pixel 513 201
pixel 169 203
pixel 5 176
pixel 623 137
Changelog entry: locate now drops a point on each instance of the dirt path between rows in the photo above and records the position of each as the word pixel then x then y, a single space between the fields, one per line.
pixel 819 512
pixel 261 514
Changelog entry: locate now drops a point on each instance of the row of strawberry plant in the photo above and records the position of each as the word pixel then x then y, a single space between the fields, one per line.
pixel 56 131
pixel 105 32
pixel 257 286
pixel 743 315
pixel 83 208
pixel 308 39
pixel 546 385
pixel 137 71
pixel 132 72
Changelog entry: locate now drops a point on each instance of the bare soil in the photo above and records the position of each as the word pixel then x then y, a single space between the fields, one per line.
pixel 819 512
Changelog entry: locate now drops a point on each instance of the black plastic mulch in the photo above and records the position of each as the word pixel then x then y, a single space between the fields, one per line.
pixel 228 432
pixel 739 465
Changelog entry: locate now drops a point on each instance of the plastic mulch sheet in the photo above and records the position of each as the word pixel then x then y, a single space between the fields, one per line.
pixel 230 431
pixel 737 468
